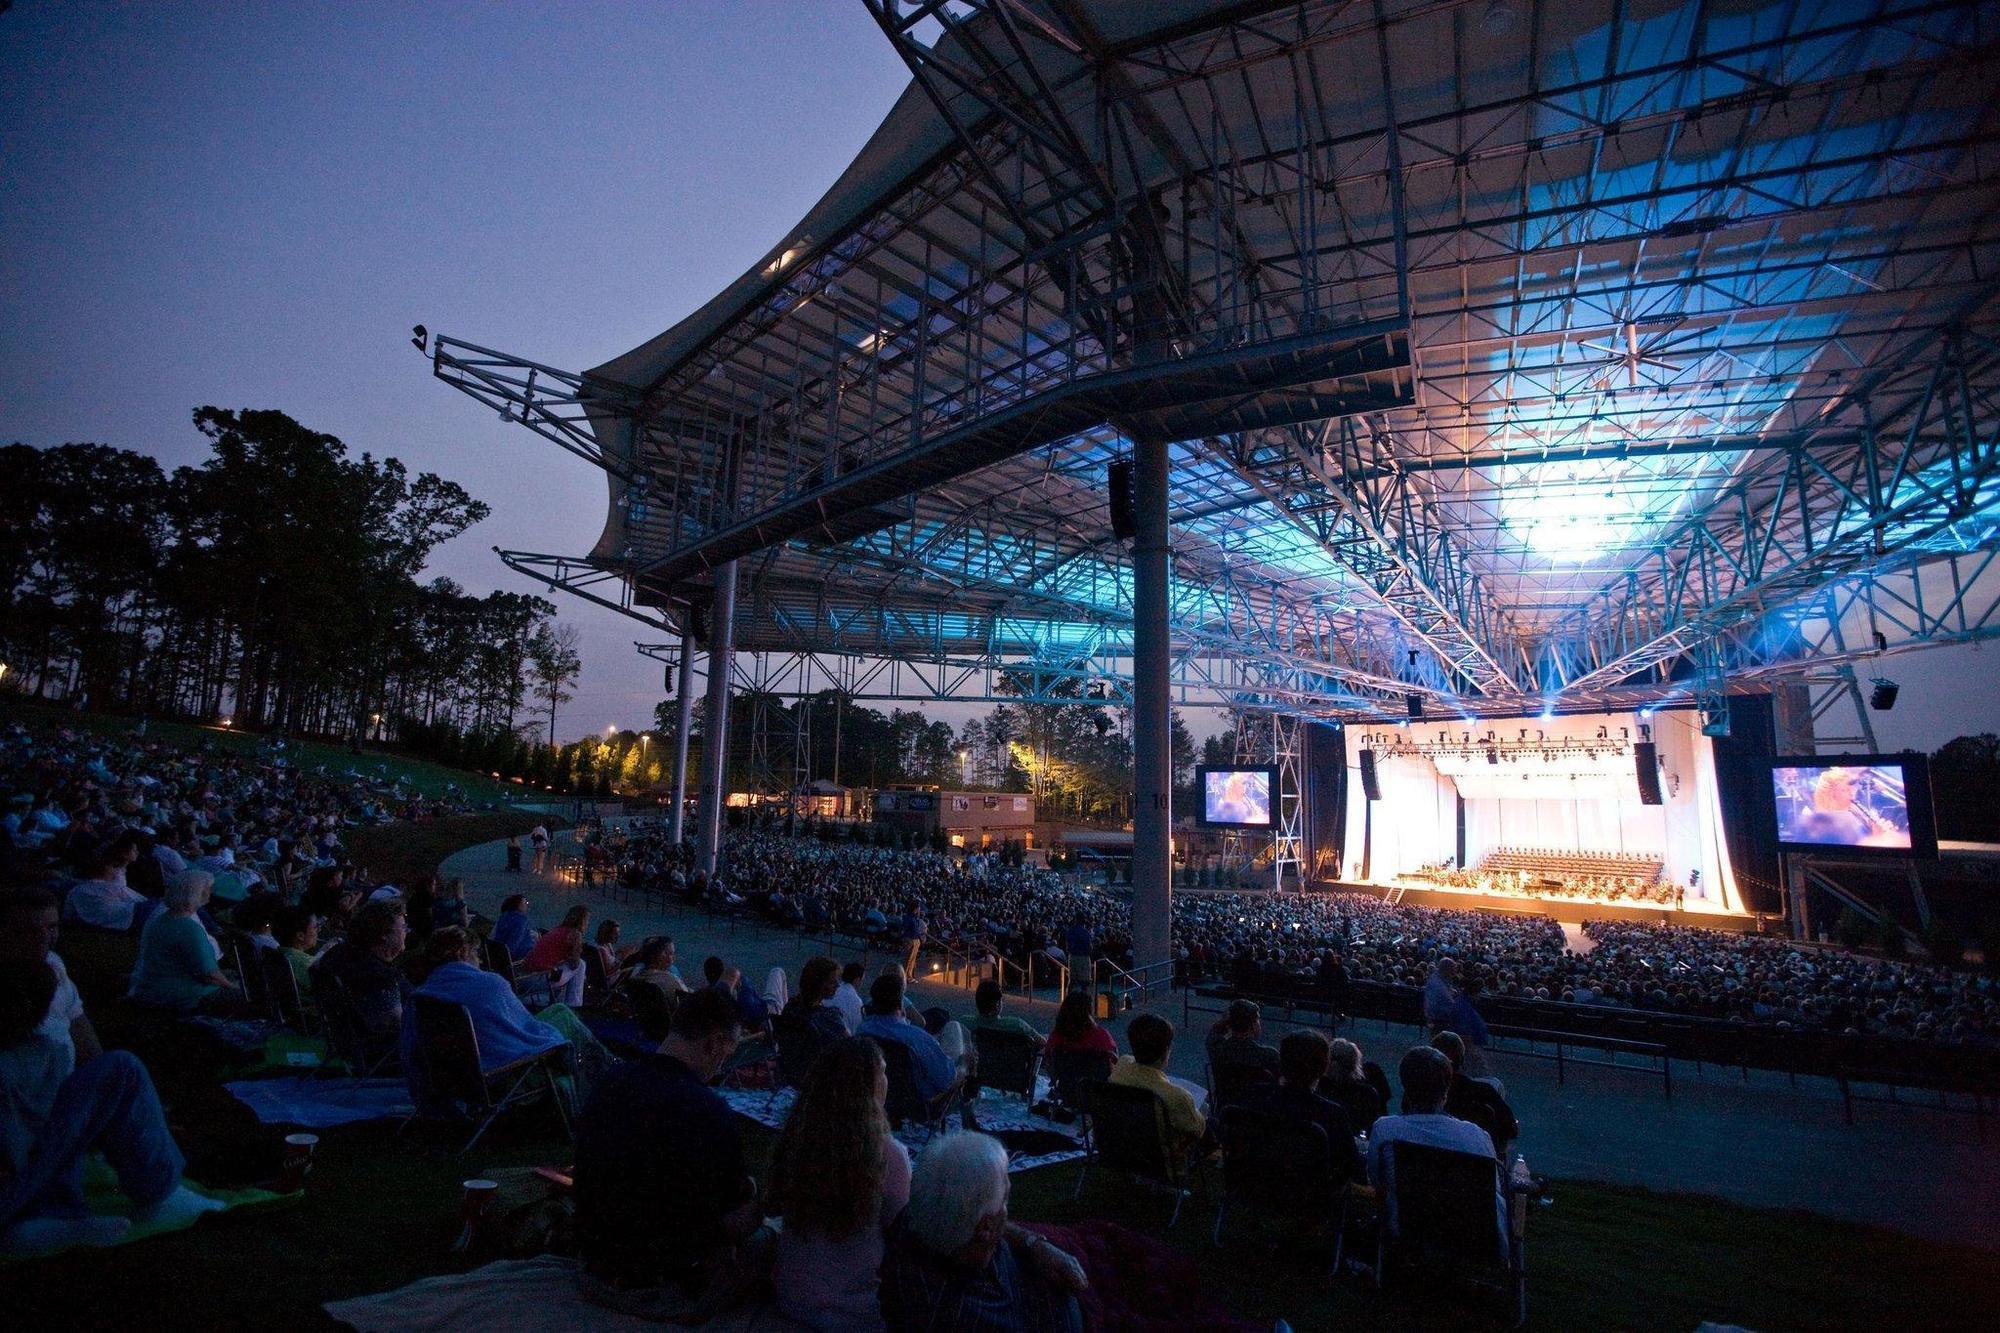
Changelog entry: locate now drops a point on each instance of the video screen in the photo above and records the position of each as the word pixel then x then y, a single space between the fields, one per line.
pixel 1863 802
pixel 1237 797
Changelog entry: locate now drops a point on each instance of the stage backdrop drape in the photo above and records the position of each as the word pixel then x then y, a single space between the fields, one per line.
pixel 1416 821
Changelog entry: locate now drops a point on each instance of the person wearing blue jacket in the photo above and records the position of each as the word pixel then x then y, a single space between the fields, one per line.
pixel 506 1031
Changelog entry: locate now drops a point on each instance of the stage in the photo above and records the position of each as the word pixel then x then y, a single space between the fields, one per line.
pixel 1556 909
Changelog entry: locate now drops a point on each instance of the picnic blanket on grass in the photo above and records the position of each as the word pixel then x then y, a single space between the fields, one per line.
pixel 1030 1140
pixel 322 1103
pixel 538 1295
pixel 101 1193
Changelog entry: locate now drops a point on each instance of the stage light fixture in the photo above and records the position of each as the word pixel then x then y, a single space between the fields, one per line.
pixel 1883 697
pixel 1416 705
pixel 420 338
pixel 1881 642
pixel 1492 757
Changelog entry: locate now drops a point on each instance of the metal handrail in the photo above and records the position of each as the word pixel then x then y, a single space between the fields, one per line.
pixel 966 967
pixel 1140 980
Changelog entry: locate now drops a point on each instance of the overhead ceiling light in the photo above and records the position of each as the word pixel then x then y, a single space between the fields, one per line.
pixel 1500 18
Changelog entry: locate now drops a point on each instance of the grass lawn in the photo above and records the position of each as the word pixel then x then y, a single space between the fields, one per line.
pixel 383 1212
pixel 427 777
pixel 402 852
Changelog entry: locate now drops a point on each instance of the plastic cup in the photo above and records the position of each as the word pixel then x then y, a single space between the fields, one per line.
pixel 478 1197
pixel 297 1161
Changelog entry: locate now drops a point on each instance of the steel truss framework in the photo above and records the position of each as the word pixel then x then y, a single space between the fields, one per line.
pixel 1589 356
pixel 1277 739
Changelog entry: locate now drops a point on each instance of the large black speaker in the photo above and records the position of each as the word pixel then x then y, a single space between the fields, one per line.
pixel 1124 523
pixel 1369 786
pixel 1646 760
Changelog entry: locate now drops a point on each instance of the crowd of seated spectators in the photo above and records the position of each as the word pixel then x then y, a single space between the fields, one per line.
pixel 869 1239
pixel 1261 942
pixel 972 905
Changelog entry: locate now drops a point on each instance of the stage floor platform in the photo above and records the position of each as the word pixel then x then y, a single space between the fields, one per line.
pixel 1554 908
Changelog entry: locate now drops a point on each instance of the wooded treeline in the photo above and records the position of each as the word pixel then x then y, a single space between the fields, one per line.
pixel 278 583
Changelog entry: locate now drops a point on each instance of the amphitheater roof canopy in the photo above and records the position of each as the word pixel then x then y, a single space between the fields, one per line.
pixel 1513 354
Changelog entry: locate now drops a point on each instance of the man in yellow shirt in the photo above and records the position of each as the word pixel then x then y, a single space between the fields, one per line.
pixel 1152 1040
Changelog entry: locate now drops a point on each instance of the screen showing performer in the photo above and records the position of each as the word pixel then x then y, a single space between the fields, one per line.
pixel 1236 797
pixel 1832 805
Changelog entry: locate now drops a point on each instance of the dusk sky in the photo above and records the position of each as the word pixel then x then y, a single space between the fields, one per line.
pixel 250 206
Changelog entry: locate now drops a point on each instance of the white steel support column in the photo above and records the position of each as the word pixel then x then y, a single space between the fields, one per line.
pixel 684 723
pixel 1152 815
pixel 715 720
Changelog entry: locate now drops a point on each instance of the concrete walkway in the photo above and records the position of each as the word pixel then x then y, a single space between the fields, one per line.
pixel 1764 1142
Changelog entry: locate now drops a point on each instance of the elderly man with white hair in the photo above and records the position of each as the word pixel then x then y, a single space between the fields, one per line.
pixel 955 1261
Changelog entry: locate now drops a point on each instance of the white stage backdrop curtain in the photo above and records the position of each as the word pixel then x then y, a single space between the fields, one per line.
pixel 1564 825
pixel 1416 821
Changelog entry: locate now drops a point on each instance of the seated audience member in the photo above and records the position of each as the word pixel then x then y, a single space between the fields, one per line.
pixel 1426 1078
pixel 954 1261
pixel 28 933
pixel 420 908
pixel 910 1010
pixel 297 933
pixel 847 998
pixel 450 909
pixel 935 1072
pixel 606 944
pixel 1152 1040
pixel 364 964
pixel 666 1209
pixel 331 898
pixel 839 1178
pixel 102 898
pixel 178 966
pixel 552 950
pixel 513 931
pixel 1077 1030
pixel 988 999
pixel 254 917
pixel 1475 1099
pixel 818 980
pixel 1236 1058
pixel 1348 1081
pixel 755 1014
pixel 1302 1062
pixel 53 1111
pixel 652 964
pixel 506 1031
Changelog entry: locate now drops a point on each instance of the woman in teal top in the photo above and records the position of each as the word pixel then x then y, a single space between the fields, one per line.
pixel 178 967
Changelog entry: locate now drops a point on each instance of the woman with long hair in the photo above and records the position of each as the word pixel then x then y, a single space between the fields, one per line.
pixel 839 1179
pixel 554 946
pixel 1077 1030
